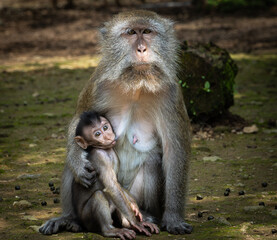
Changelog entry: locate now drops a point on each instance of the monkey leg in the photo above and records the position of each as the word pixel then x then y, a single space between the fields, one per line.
pixel 96 216
pixel 147 188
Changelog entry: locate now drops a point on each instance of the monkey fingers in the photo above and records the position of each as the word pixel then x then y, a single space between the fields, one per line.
pixel 53 225
pixel 88 167
pixel 135 209
pixel 177 227
pixel 140 228
pixel 152 226
pixel 122 233
pixel 87 176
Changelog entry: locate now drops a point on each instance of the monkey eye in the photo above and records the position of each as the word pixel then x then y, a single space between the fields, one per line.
pixel 146 31
pixel 131 32
pixel 97 134
pixel 105 128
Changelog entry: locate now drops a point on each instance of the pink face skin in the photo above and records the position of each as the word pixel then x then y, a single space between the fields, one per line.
pixel 99 136
pixel 140 38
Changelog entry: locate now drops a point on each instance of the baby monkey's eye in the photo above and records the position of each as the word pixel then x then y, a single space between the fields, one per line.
pixel 105 128
pixel 146 31
pixel 131 32
pixel 97 134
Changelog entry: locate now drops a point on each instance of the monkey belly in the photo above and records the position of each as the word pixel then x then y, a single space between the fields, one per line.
pixel 131 160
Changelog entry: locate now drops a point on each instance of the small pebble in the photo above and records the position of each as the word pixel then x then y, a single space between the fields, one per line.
pixel 274 231
pixel 264 184
pixel 199 197
pixel 226 193
pixel 43 203
pixel 210 218
pixel 17 187
pixel 200 214
pixel 241 193
pixel 51 184
pixel 52 188
pixel 56 200
pixel 261 204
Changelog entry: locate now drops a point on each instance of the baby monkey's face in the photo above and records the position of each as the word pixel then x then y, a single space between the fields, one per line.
pixel 100 135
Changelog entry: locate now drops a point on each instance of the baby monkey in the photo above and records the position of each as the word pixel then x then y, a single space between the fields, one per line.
pixel 95 206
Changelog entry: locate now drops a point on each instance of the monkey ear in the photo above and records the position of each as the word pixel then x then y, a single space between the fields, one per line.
pixel 81 142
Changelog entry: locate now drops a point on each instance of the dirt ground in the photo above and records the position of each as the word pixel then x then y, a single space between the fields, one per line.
pixel 47 55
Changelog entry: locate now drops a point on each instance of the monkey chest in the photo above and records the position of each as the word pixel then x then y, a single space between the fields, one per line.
pixel 134 125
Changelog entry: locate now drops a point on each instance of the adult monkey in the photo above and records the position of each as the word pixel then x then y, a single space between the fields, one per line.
pixel 136 87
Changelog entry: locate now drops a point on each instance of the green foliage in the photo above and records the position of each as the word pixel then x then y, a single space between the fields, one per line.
pixel 207 86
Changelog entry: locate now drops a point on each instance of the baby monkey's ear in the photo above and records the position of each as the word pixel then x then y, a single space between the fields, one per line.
pixel 81 142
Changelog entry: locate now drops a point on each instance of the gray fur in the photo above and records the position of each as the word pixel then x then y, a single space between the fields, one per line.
pixel 164 168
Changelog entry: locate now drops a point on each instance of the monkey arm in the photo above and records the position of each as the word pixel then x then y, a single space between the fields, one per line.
pixel 175 134
pixel 77 160
pixel 134 205
pixel 112 188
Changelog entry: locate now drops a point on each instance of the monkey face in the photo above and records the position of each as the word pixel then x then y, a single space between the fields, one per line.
pixel 139 38
pixel 136 46
pixel 100 135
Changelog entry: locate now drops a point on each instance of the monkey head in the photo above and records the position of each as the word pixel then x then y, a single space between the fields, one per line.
pixel 140 48
pixel 94 130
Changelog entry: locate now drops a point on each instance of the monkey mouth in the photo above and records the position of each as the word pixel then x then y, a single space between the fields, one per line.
pixel 146 76
pixel 142 66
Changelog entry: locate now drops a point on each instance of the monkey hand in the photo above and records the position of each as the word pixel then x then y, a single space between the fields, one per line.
pixel 175 224
pixel 139 227
pixel 86 175
pixel 152 226
pixel 135 209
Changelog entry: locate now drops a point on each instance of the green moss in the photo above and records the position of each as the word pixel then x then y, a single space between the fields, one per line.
pixel 207 78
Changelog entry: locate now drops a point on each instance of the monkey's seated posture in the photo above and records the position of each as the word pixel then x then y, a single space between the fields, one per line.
pixel 94 206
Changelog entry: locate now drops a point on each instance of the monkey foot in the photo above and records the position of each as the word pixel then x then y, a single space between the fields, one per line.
pixel 174 226
pixel 55 225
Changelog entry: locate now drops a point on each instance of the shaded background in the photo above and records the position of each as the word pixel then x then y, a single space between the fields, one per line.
pixel 36 27
pixel 48 50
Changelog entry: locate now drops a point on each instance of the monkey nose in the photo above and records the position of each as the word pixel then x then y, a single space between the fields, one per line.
pixel 141 49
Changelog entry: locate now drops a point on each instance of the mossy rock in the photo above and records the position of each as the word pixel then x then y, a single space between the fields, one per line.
pixel 207 75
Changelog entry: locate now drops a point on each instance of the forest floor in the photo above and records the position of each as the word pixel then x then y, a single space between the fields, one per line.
pixel 46 56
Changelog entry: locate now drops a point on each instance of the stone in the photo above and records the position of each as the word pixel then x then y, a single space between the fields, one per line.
pixel 274 212
pixel 206 75
pixel 35 228
pixel 253 208
pixel 31 145
pixel 22 204
pixel 222 221
pixel 211 159
pixel 29 176
pixel 251 129
pixel 270 131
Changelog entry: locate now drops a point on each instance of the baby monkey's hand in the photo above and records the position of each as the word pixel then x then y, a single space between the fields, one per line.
pixel 135 209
